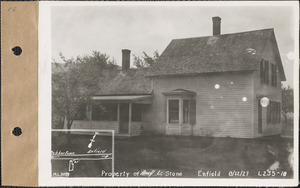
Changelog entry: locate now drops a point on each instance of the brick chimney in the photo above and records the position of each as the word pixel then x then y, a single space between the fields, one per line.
pixel 125 59
pixel 216 25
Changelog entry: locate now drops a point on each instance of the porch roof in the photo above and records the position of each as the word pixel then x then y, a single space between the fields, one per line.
pixel 146 99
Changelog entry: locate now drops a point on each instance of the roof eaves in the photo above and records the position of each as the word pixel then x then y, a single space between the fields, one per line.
pixel 195 74
pixel 283 78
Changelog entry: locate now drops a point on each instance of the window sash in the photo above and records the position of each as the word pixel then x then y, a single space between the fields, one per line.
pixel 173 111
pixel 266 72
pixel 262 71
pixel 186 111
pixel 274 113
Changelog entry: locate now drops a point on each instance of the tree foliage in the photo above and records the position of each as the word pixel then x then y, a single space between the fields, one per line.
pixel 287 101
pixel 73 84
pixel 146 60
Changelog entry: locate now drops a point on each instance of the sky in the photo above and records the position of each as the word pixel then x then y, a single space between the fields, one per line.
pixel 78 30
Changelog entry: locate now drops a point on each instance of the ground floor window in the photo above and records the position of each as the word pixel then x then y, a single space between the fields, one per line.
pixel 186 111
pixel 181 111
pixel 173 111
pixel 274 112
pixel 105 112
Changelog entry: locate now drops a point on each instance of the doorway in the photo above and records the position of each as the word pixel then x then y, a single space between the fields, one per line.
pixel 124 117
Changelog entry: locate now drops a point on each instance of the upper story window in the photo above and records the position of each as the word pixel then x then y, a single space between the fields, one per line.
pixel 274 75
pixel 264 72
pixel 268 71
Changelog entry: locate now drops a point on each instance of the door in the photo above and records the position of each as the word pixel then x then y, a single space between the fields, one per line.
pixel 124 117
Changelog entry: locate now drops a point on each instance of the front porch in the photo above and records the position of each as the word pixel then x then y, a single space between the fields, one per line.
pixel 126 115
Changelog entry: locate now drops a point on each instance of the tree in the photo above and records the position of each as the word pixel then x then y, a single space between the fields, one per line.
pixel 287 101
pixel 145 60
pixel 74 84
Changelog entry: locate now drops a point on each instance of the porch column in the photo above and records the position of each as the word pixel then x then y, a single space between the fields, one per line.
pixel 180 115
pixel 129 122
pixel 118 117
pixel 180 111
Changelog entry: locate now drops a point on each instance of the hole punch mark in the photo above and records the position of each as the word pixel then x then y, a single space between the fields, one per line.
pixel 17 131
pixel 17 50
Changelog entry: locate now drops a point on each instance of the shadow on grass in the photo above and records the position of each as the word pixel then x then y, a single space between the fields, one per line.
pixel 191 154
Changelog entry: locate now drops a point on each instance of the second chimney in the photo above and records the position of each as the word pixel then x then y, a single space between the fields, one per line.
pixel 125 59
pixel 216 25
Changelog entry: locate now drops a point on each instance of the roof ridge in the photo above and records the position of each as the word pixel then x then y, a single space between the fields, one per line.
pixel 225 34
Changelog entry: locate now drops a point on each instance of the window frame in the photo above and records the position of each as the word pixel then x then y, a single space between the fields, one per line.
pixel 180 99
pixel 262 71
pixel 168 110
pixel 267 72
pixel 274 75
pixel 266 68
pixel 183 111
pixel 274 113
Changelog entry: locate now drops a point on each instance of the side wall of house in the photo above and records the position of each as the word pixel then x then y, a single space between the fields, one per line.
pixel 219 112
pixel 273 93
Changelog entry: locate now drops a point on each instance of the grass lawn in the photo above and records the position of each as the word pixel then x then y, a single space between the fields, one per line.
pixel 184 156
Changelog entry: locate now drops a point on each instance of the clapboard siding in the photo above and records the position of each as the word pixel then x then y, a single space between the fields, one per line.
pixel 273 93
pixel 219 112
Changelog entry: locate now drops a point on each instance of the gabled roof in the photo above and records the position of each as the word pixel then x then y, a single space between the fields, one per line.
pixel 219 53
pixel 125 82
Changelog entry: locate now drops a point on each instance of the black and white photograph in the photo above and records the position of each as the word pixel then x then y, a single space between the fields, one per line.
pixel 171 91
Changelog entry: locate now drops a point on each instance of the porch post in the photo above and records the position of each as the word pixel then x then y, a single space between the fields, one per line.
pixel 118 117
pixel 180 111
pixel 129 122
pixel 180 115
